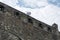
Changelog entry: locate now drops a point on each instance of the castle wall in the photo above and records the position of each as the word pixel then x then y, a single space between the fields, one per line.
pixel 15 25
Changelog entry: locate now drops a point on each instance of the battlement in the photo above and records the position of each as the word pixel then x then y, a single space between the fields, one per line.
pixel 11 17
pixel 26 18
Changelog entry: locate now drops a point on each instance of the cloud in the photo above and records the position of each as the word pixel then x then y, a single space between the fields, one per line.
pixel 32 4
pixel 9 2
pixel 54 2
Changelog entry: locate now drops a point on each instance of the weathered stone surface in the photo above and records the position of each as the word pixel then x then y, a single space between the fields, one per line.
pixel 15 25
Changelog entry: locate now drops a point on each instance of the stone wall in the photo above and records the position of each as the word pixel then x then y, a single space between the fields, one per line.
pixel 15 25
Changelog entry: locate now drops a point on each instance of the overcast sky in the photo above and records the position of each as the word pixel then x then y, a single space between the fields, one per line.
pixel 47 11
